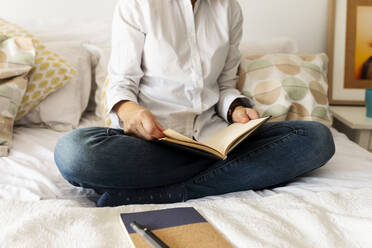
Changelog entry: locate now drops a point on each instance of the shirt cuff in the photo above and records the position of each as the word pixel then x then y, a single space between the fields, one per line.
pixel 112 101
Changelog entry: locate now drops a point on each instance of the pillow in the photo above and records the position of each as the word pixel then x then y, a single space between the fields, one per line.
pixel 287 86
pixel 50 73
pixel 17 56
pixel 83 31
pixel 101 56
pixel 104 111
pixel 63 109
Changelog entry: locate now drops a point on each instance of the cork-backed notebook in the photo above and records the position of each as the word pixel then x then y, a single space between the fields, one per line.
pixel 176 227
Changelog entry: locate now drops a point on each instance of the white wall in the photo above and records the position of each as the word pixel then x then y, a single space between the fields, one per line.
pixel 302 20
pixel 71 9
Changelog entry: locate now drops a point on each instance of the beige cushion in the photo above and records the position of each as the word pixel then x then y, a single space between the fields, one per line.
pixel 50 73
pixel 287 86
pixel 63 109
pixel 17 57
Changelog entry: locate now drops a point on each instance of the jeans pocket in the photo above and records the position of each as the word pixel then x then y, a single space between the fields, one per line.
pixel 114 131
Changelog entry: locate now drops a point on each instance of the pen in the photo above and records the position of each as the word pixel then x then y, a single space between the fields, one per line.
pixel 149 236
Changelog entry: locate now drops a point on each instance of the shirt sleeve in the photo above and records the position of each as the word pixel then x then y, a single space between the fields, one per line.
pixel 227 81
pixel 128 40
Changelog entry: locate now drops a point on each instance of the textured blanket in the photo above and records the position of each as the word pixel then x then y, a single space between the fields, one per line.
pixel 317 220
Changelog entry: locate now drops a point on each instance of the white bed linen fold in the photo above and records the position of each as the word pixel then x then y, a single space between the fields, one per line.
pixel 29 173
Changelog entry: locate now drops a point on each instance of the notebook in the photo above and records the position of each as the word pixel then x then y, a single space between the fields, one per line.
pixel 176 227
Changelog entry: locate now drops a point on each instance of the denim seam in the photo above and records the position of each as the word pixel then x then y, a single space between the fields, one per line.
pixel 281 126
pixel 236 160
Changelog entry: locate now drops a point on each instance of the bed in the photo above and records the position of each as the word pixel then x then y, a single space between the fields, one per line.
pixel 330 207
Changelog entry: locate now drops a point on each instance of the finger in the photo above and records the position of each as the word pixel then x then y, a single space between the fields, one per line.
pixel 241 119
pixel 142 132
pixel 157 134
pixel 240 116
pixel 161 130
pixel 160 127
pixel 151 128
pixel 252 114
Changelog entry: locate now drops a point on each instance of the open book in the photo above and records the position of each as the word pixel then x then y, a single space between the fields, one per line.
pixel 220 144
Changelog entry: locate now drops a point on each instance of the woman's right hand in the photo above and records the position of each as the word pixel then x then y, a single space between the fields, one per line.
pixel 138 121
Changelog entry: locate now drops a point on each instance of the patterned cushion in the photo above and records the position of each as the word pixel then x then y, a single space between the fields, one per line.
pixel 287 86
pixel 50 73
pixel 17 57
pixel 103 108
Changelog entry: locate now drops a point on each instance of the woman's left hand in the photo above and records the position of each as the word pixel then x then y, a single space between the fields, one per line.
pixel 244 115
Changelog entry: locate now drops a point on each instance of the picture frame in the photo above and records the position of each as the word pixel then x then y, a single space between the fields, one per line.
pixel 346 87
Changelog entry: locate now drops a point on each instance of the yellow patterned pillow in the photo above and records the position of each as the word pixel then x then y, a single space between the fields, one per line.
pixel 50 73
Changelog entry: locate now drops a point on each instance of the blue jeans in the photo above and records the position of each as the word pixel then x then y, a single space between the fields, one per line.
pixel 107 159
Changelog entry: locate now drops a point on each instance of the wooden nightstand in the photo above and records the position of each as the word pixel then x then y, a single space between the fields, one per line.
pixel 353 122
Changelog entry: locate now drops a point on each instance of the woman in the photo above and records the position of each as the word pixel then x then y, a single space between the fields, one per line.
pixel 174 65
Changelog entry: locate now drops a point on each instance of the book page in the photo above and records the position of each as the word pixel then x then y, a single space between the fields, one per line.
pixel 198 147
pixel 227 137
pixel 175 135
pixel 220 143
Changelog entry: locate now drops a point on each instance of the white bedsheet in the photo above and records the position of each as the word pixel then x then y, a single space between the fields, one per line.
pixel 29 173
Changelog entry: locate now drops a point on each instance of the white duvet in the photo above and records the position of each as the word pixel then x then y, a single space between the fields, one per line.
pixel 330 207
pixel 336 220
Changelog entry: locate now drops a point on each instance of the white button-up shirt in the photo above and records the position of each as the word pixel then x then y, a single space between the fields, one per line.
pixel 178 62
